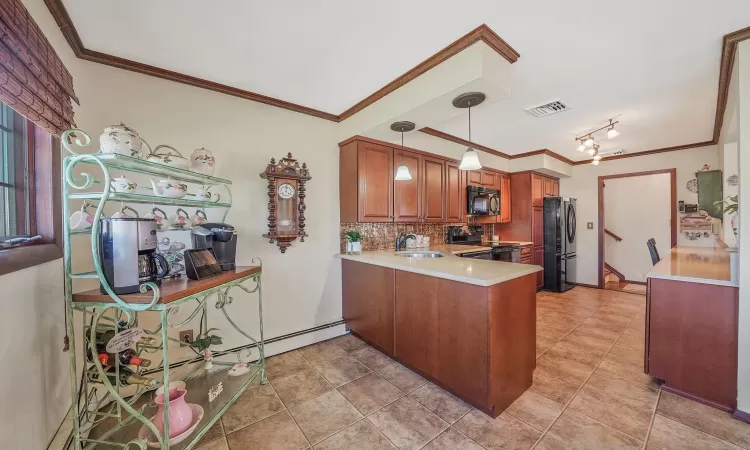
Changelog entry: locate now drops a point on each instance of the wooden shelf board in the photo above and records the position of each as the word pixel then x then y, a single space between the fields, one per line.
pixel 172 289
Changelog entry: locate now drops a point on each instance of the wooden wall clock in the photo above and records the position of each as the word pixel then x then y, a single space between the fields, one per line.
pixel 286 201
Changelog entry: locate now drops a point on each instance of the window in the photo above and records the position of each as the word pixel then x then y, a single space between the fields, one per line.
pixel 15 195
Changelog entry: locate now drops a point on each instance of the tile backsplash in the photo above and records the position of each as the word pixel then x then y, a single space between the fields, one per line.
pixel 382 236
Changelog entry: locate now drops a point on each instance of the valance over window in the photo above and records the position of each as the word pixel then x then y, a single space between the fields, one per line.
pixel 33 79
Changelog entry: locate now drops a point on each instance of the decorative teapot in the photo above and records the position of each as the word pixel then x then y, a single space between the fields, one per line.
pixel 122 140
pixel 122 184
pixel 205 196
pixel 202 161
pixel 169 188
pixel 171 157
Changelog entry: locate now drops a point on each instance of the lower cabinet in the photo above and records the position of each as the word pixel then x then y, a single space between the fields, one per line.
pixel 367 291
pixel 478 342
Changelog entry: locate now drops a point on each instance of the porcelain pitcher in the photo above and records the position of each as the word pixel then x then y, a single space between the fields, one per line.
pixel 180 413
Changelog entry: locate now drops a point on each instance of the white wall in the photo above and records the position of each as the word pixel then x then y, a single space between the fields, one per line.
pixel 742 61
pixel 582 185
pixel 636 209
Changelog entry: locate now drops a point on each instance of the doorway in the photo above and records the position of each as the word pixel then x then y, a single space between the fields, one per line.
pixel 634 207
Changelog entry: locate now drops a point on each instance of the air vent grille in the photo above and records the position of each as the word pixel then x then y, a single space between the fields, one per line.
pixel 613 153
pixel 547 109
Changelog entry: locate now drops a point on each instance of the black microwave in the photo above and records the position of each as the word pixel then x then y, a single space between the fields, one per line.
pixel 482 201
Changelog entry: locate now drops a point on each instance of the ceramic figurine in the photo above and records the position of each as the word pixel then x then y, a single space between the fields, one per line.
pixel 202 161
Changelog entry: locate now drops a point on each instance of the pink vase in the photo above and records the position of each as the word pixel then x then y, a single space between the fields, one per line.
pixel 180 413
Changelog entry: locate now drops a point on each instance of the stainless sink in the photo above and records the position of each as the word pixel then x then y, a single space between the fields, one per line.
pixel 408 254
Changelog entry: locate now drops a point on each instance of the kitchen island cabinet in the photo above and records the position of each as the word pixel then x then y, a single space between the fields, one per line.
pixel 474 336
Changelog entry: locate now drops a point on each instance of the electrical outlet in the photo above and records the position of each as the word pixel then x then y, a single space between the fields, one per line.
pixel 186 337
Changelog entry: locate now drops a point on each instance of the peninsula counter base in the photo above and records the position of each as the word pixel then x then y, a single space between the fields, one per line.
pixel 478 342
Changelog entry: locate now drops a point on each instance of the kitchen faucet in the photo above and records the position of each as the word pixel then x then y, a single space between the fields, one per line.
pixel 401 240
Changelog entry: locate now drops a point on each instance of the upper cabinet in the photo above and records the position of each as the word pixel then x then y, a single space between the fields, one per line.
pixel 505 198
pixel 407 194
pixel 455 193
pixel 433 189
pixel 537 190
pixel 366 182
pixel 483 177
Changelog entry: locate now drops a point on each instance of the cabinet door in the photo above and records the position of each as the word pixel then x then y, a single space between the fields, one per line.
pixel 407 194
pixel 539 261
pixel 375 171
pixel 555 188
pixel 489 179
pixel 504 198
pixel 433 190
pixel 549 189
pixel 537 226
pixel 537 190
pixel 367 294
pixel 455 193
pixel 416 339
pixel 475 177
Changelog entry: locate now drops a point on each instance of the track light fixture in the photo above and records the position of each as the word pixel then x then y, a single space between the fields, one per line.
pixel 611 132
pixel 587 142
pixel 581 147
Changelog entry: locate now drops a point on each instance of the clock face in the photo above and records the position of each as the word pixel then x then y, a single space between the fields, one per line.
pixel 286 191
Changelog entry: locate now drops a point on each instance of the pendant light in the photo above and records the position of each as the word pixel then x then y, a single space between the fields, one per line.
pixel 402 173
pixel 611 132
pixel 470 160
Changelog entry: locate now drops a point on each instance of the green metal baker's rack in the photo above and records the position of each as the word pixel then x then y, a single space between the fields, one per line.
pixel 107 414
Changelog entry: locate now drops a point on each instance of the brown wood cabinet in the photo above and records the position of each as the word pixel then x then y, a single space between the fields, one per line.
pixel 484 178
pixel 475 177
pixel 477 342
pixel 366 182
pixel 368 302
pixel 455 193
pixel 691 339
pixel 527 224
pixel 505 200
pixel 407 194
pixel 433 189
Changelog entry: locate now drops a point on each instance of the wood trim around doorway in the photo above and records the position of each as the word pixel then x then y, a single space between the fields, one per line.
pixel 673 216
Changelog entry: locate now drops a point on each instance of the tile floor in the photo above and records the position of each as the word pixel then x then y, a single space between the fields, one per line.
pixel 589 392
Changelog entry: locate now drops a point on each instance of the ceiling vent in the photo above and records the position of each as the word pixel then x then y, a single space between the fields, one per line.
pixel 547 109
pixel 612 153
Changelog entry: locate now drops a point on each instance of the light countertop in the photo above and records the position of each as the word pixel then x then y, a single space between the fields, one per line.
pixel 707 265
pixel 501 241
pixel 479 272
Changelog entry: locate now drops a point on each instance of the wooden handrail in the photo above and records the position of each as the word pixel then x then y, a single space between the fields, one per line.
pixel 614 271
pixel 617 238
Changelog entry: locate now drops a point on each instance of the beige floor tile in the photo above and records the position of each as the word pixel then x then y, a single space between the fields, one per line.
pixel 401 377
pixel 704 418
pixel 502 433
pixel 452 439
pixel 360 436
pixel 581 432
pixel 667 434
pixel 606 323
pixel 348 342
pixel 302 386
pixel 322 351
pixel 370 393
pixel 587 342
pixel 252 406
pixel 215 432
pixel 324 416
pixel 564 367
pixel 547 443
pixel 626 356
pixel 634 342
pixel 342 370
pixel 447 406
pixel 609 410
pixel 371 357
pixel 285 364
pixel 569 349
pixel 556 388
pixel 216 444
pixel 407 424
pixel 278 432
pixel 637 394
pixel 629 371
pixel 596 332
pixel 535 410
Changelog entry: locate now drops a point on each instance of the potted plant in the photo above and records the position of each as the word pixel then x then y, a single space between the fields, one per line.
pixel 730 205
pixel 355 242
pixel 203 344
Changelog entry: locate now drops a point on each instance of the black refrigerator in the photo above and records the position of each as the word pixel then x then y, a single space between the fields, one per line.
pixel 559 243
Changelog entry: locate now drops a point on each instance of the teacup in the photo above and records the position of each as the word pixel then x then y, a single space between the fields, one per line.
pixel 199 218
pixel 162 222
pixel 81 220
pixel 204 196
pixel 122 184
pixel 180 221
pixel 121 214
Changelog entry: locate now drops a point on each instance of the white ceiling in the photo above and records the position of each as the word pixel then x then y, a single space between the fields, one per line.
pixel 654 62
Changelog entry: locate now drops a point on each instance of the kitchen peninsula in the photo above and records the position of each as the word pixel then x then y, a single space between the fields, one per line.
pixel 468 325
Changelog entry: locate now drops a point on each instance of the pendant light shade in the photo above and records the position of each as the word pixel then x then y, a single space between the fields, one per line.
pixel 402 173
pixel 470 160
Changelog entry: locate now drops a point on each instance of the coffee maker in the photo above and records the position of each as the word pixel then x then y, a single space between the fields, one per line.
pixel 220 237
pixel 127 251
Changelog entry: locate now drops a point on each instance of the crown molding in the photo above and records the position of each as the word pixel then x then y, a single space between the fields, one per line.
pixel 481 33
pixel 544 151
pixel 458 140
pixel 728 51
pixel 648 152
